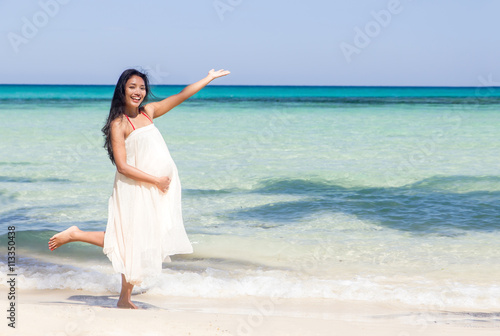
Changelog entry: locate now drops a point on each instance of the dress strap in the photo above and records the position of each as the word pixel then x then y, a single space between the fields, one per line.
pixel 147 116
pixel 130 121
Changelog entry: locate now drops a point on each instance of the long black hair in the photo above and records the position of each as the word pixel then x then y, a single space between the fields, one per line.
pixel 118 105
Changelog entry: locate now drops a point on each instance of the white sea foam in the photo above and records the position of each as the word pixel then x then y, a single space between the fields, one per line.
pixel 217 283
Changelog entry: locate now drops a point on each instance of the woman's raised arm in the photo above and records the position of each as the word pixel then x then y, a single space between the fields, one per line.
pixel 157 109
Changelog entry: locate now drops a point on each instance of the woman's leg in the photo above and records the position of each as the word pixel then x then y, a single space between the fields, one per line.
pixel 125 301
pixel 74 234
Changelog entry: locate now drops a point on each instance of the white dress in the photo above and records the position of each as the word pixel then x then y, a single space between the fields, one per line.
pixel 145 226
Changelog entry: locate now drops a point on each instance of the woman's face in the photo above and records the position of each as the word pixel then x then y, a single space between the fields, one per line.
pixel 135 91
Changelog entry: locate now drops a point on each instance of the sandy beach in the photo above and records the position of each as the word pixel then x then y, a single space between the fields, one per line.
pixel 66 312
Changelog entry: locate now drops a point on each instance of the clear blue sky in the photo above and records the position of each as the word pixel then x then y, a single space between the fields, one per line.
pixel 263 42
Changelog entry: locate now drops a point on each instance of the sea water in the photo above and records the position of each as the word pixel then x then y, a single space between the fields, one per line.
pixel 371 194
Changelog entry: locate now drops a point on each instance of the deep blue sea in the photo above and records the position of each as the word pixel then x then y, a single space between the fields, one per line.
pixel 380 194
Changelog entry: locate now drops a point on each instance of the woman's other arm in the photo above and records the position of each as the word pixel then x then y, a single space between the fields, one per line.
pixel 120 155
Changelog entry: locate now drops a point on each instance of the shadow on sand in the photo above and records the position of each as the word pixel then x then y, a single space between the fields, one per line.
pixel 103 301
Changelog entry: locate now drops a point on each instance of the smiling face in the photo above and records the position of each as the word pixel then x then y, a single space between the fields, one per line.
pixel 135 91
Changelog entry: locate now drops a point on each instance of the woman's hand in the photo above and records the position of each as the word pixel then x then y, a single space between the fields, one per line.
pixel 216 74
pixel 163 183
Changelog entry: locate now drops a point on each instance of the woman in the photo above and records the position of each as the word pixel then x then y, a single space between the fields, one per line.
pixel 144 213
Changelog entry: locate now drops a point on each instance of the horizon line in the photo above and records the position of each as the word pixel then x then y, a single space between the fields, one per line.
pixel 267 85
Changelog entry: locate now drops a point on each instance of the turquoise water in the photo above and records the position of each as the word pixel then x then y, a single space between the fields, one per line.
pixel 377 194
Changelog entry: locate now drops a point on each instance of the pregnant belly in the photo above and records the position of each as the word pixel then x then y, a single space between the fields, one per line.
pixel 158 165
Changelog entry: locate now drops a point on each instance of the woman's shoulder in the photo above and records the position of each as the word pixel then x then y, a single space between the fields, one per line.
pixel 118 120
pixel 118 124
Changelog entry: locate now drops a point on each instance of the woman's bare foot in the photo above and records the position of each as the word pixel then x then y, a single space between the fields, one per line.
pixel 125 295
pixel 62 238
pixel 126 304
